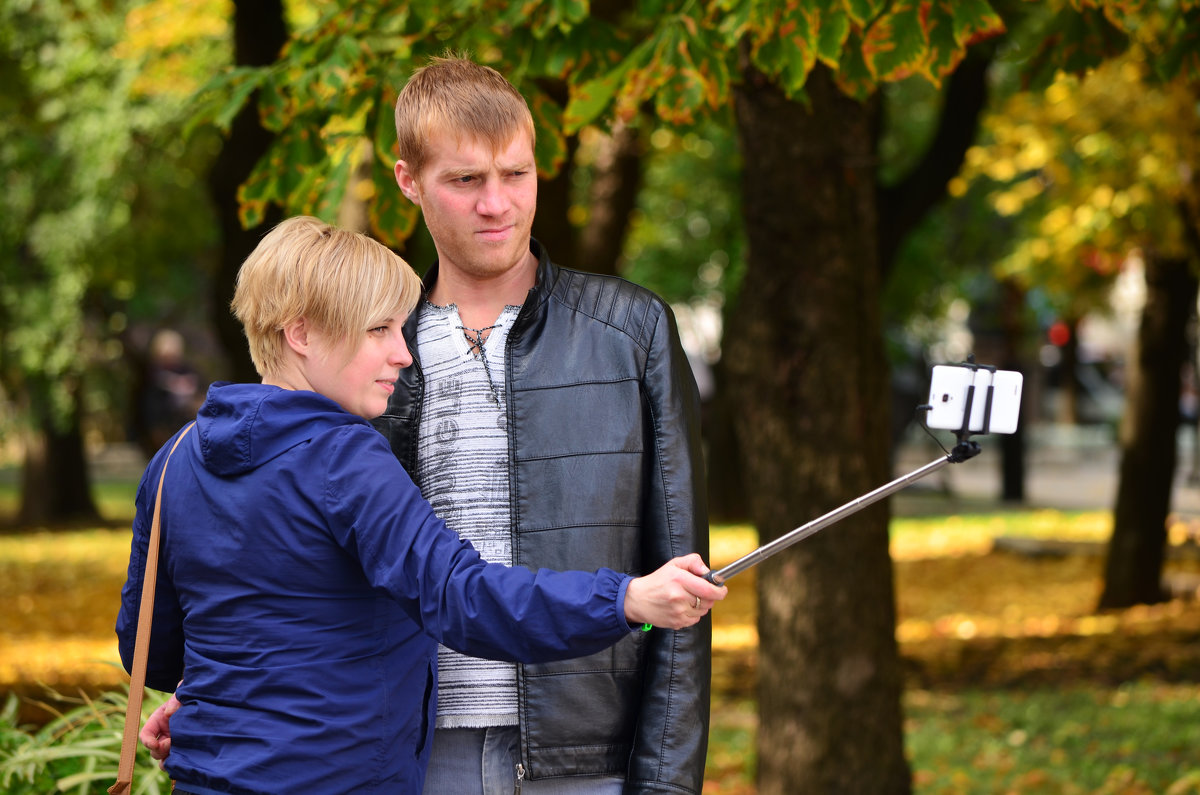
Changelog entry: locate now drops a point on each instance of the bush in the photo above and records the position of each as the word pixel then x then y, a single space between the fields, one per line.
pixel 78 751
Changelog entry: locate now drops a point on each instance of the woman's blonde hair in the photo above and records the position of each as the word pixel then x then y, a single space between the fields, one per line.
pixel 342 282
pixel 453 95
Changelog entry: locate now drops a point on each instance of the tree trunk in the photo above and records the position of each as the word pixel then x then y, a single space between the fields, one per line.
pixel 1012 452
pixel 259 32
pixel 998 327
pixel 552 224
pixel 1133 569
pixel 903 206
pixel 1012 446
pixel 55 485
pixel 616 180
pixel 727 499
pixel 1067 410
pixel 809 373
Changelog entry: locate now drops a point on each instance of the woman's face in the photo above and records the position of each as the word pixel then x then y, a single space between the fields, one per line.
pixel 363 383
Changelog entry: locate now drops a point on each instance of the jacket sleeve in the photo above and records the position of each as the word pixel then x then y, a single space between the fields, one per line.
pixel 440 581
pixel 164 665
pixel 672 738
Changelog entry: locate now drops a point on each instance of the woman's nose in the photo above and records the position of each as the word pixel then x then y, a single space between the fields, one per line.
pixel 401 356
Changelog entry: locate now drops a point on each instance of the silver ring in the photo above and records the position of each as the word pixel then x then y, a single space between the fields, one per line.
pixel 697 605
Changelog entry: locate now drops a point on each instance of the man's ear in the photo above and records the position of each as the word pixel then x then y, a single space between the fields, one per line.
pixel 297 337
pixel 407 182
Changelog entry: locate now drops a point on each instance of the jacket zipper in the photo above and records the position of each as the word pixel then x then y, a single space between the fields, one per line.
pixel 520 777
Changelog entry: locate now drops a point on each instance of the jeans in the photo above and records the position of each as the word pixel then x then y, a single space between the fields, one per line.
pixel 484 762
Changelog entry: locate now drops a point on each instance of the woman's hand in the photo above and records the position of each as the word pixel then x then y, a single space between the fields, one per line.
pixel 675 596
pixel 156 734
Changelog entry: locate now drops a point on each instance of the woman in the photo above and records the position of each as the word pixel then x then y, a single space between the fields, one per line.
pixel 301 605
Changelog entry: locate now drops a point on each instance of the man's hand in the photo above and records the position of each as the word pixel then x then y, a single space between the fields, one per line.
pixel 675 596
pixel 156 734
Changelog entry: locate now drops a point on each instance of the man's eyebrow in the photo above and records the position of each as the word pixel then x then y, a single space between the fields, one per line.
pixel 460 171
pixel 518 165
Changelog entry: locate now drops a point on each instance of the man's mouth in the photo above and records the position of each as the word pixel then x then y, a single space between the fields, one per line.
pixel 495 233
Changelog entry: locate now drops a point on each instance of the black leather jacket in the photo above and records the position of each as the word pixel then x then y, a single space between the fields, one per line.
pixel 605 469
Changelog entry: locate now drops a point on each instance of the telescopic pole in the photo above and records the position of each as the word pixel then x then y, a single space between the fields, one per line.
pixel 961 452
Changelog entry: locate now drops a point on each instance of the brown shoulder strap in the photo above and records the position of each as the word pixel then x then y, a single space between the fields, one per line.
pixel 141 646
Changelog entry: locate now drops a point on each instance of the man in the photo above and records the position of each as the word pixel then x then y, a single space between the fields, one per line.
pixel 552 419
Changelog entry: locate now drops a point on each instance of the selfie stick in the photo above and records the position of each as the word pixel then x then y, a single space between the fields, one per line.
pixel 962 451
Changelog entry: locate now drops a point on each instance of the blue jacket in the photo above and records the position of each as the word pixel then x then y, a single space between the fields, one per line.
pixel 303 587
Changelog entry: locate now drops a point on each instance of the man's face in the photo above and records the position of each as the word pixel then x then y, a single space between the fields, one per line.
pixel 478 206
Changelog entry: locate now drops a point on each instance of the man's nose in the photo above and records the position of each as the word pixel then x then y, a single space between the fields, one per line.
pixel 492 199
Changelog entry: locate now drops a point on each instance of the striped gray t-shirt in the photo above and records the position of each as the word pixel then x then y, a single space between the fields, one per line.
pixel 463 472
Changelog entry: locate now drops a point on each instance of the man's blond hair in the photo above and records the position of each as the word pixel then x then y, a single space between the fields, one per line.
pixel 453 95
pixel 342 282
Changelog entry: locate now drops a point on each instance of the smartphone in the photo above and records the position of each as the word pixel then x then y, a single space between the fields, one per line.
pixel 948 390
pixel 948 396
pixel 1006 401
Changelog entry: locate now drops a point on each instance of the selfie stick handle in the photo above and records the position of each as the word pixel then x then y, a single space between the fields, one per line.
pixel 961 452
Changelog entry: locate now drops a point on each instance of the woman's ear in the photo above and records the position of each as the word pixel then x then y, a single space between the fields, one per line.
pixel 296 334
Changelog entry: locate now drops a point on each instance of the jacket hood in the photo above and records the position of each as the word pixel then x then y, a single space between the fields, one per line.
pixel 243 426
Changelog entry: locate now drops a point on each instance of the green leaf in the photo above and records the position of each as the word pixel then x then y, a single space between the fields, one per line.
pixel 544 18
pixel 341 72
pixel 680 66
pixel 863 11
pixel 274 103
pixel 252 208
pixel 853 77
pixel 1126 14
pixel 694 74
pixel 550 148
pixel 1081 41
pixel 953 26
pixel 737 18
pixel 788 49
pixel 896 45
pixel 1182 58
pixel 279 174
pixel 835 29
pixel 591 99
pixel 583 53
pixel 972 20
pixel 324 184
pixel 220 100
pixel 393 217
pixel 382 120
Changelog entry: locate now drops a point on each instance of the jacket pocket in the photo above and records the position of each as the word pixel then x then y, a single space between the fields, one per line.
pixel 428 707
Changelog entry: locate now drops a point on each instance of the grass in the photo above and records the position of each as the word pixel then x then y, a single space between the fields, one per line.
pixel 1139 737
pixel 1014 685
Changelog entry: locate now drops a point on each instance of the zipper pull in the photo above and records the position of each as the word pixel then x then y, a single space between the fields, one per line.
pixel 520 777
